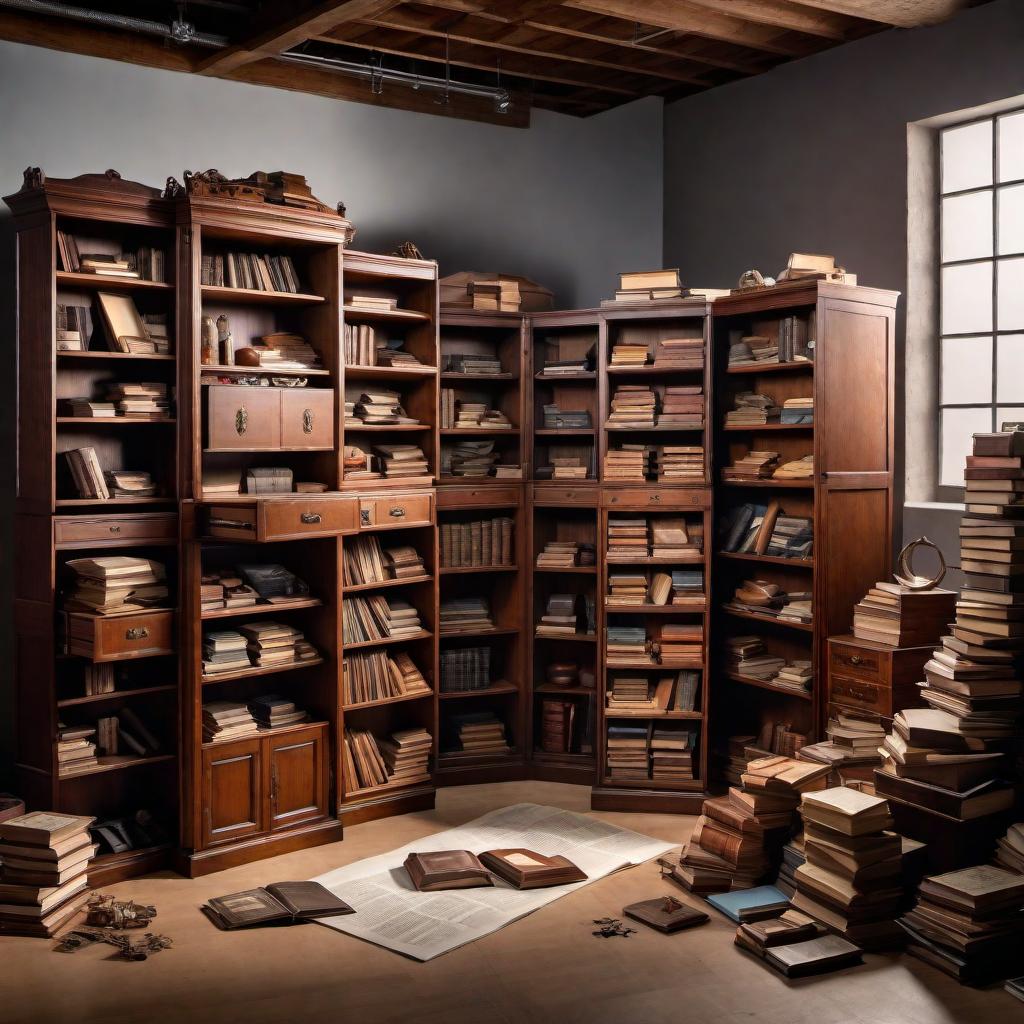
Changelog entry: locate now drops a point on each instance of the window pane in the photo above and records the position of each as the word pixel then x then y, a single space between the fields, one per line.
pixel 967 227
pixel 1011 220
pixel 1010 368
pixel 967 299
pixel 967 157
pixel 958 426
pixel 1011 147
pixel 966 371
pixel 1009 414
pixel 1011 294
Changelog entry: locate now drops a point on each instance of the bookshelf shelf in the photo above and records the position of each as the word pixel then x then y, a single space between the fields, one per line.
pixel 260 371
pixel 771 620
pixel 115 763
pixel 480 432
pixel 386 641
pixel 72 279
pixel 464 570
pixel 253 296
pixel 473 378
pixel 654 371
pixel 257 670
pixel 693 606
pixel 765 684
pixel 101 355
pixel 408 316
pixel 766 427
pixel 673 716
pixel 738 556
pixel 693 558
pixel 767 367
pixel 108 421
pixel 657 429
pixel 790 485
pixel 558 378
pixel 356 588
pixel 565 432
pixel 389 788
pixel 278 607
pixel 498 689
pixel 384 701
pixel 467 634
pixel 92 502
pixel 388 428
pixel 101 698
pixel 572 638
pixel 353 372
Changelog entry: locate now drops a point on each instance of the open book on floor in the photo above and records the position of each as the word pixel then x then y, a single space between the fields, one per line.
pixel 280 903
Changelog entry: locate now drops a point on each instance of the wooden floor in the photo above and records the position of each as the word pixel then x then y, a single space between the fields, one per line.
pixel 547 967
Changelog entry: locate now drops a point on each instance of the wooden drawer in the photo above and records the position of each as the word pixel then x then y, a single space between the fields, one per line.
pixel 285 518
pixel 148 528
pixel 242 419
pixel 578 495
pixel 398 510
pixel 307 418
pixel 860 662
pixel 121 637
pixel 647 497
pixel 458 497
pixel 858 693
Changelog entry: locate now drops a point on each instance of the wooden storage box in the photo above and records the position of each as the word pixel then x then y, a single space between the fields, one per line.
pixel 121 637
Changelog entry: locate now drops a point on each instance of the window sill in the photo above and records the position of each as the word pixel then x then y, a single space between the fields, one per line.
pixel 938 506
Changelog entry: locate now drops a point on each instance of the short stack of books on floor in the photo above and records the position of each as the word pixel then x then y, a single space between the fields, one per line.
pixel 228 720
pixel 379 675
pixel 465 615
pixel 465 669
pixel 482 542
pixel 633 407
pixel 44 878
pixel 476 733
pixel 896 615
pixel 679 354
pixel 851 881
pixel 969 923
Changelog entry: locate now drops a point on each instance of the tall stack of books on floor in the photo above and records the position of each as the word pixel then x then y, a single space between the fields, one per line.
pixel 44 879
pixel 738 838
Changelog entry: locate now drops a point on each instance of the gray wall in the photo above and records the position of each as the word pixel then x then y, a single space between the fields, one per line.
pixel 567 202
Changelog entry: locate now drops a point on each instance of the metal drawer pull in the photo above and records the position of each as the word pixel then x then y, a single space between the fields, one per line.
pixel 241 420
pixel 310 517
pixel 136 633
pixel 307 421
pixel 397 511
pixel 115 529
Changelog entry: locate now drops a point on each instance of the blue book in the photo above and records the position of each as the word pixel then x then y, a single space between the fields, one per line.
pixel 751 904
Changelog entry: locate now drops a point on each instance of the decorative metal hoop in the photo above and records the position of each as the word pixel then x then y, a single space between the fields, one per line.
pixel 906 576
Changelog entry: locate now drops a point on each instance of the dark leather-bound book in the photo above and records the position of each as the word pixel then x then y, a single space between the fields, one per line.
pixel 666 914
pixel 526 869
pixel 815 956
pixel 446 869
pixel 280 903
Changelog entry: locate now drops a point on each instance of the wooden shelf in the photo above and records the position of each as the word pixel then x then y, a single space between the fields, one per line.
pixel 565 431
pixel 387 788
pixel 686 716
pixel 409 316
pixel 383 701
pixel 262 609
pixel 765 684
pixel 494 690
pixel 697 605
pixel 657 429
pixel 480 481
pixel 258 670
pixel 479 431
pixel 470 378
pixel 560 377
pixel 74 279
pixel 215 293
pixel 266 730
pixel 582 570
pixel 383 641
pixel 655 666
pixel 263 371
pixel 92 502
pixel 389 372
pixel 693 559
pixel 737 556
pixel 547 690
pixel 355 588
pixel 652 371
pixel 470 634
pixel 386 428
pixel 795 485
pixel 462 570
pixel 116 763
pixel 124 356
pixel 109 421
pixel 758 428
pixel 139 691
pixel 768 367
pixel 806 627
pixel 572 638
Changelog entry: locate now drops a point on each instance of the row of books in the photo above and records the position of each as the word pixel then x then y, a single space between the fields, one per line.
pixel 378 675
pixel 660 588
pixel 480 542
pixel 364 345
pixel 658 286
pixel 752 528
pixel 133 401
pixel 459 414
pixel 682 464
pixel 641 407
pixel 225 720
pixel 658 537
pixel 793 341
pixel 377 617
pixel 673 692
pixel 641 751
pixel 365 560
pixel 260 644
pixel 403 758
pixel 465 669
pixel 145 262
pixel 263 273
pixel 93 482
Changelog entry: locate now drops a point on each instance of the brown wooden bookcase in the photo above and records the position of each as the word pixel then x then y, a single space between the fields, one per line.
pixel 849 497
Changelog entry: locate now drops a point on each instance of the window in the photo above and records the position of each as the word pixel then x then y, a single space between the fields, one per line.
pixel 981 283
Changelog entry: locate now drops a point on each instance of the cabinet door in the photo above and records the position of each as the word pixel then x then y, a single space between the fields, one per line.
pixel 307 418
pixel 243 419
pixel 233 793
pixel 296 767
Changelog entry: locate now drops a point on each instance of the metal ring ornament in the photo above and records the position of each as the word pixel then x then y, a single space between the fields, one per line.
pixel 906 576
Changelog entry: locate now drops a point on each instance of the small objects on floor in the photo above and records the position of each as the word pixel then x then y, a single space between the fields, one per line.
pixel 108 920
pixel 76 940
pixel 109 912
pixel 129 949
pixel 610 927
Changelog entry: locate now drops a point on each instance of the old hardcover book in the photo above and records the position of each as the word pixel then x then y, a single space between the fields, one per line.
pixel 43 828
pixel 815 956
pixel 446 869
pixel 280 903
pixel 526 869
pixel 751 904
pixel 665 914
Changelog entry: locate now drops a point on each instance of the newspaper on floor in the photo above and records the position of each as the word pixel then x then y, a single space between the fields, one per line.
pixel 393 914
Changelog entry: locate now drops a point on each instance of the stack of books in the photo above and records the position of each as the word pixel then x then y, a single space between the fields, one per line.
pixel 458 414
pixel 969 923
pixel 738 838
pixel 478 733
pixel 283 350
pixel 680 354
pixel 750 349
pixel 87 408
pixel 400 460
pixel 558 554
pixel 752 410
pixel 792 944
pixel 380 408
pixel 364 765
pixel 496 296
pixel 556 418
pixel 377 675
pixel 682 407
pixel 74 328
pixel 628 462
pixel 853 741
pixel 627 540
pixel 227 720
pixel 224 651
pixel 796 469
pixel 271 643
pixel 625 353
pixel 897 616
pixel 465 668
pixel 795 675
pixel 625 589
pixel 407 756
pixel 376 303
pixel 647 286
pixel 633 407
pixel 108 584
pixel 465 615
pixel 630 691
pixel 224 588
pixel 569 367
pixel 469 459
pixel 626 646
pixel 128 483
pixel 401 619
pixel 687 584
pixel 393 353
pixel 851 880
pixel 797 410
pixel 682 464
pixel 559 618
pixel 675 538
pixel 106 264
pixel 76 749
pixel 568 467
pixel 473 364
pixel 791 537
pixel 479 542
pixel 272 711
pixel 748 656
pixel 356 463
pixel 680 643
pixel 754 465
pixel 672 751
pixel 628 751
pixel 556 726
pixel 44 881
pixel 403 563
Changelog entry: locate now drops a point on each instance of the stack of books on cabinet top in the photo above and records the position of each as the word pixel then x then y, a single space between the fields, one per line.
pixel 108 584
pixel 379 675
pixel 44 880
pixel 893 614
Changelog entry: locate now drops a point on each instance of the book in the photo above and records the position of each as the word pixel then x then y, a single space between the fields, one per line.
pixel 446 869
pixel 526 869
pixel 815 956
pixel 277 904
pixel 750 904
pixel 665 914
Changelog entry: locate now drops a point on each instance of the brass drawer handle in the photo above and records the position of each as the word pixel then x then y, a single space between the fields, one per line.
pixel 115 529
pixel 241 420
pixel 310 517
pixel 136 633
pixel 396 512
pixel 307 421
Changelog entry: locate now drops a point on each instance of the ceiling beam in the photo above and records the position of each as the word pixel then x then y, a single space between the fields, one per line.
pixel 282 33
pixel 901 13
pixel 790 17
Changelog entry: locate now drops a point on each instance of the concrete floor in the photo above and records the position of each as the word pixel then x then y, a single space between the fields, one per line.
pixel 545 968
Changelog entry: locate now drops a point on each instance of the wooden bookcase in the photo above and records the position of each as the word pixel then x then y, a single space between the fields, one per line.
pixel 849 497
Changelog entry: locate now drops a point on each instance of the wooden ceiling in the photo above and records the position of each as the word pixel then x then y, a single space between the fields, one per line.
pixel 577 57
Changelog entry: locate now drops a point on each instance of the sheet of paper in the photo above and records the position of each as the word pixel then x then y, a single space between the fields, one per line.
pixel 391 913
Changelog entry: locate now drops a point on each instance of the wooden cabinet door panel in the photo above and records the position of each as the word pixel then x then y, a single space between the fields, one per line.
pixel 233 794
pixel 307 418
pixel 296 766
pixel 243 419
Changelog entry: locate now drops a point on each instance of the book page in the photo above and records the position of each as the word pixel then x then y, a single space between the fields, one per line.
pixel 391 913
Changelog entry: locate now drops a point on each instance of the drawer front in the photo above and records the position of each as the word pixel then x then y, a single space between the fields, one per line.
pixel 284 518
pixel 859 693
pixel 243 419
pixel 398 510
pixel 646 497
pixel 565 495
pixel 307 418
pixel 859 662
pixel 122 637
pixel 458 497
pixel 145 529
